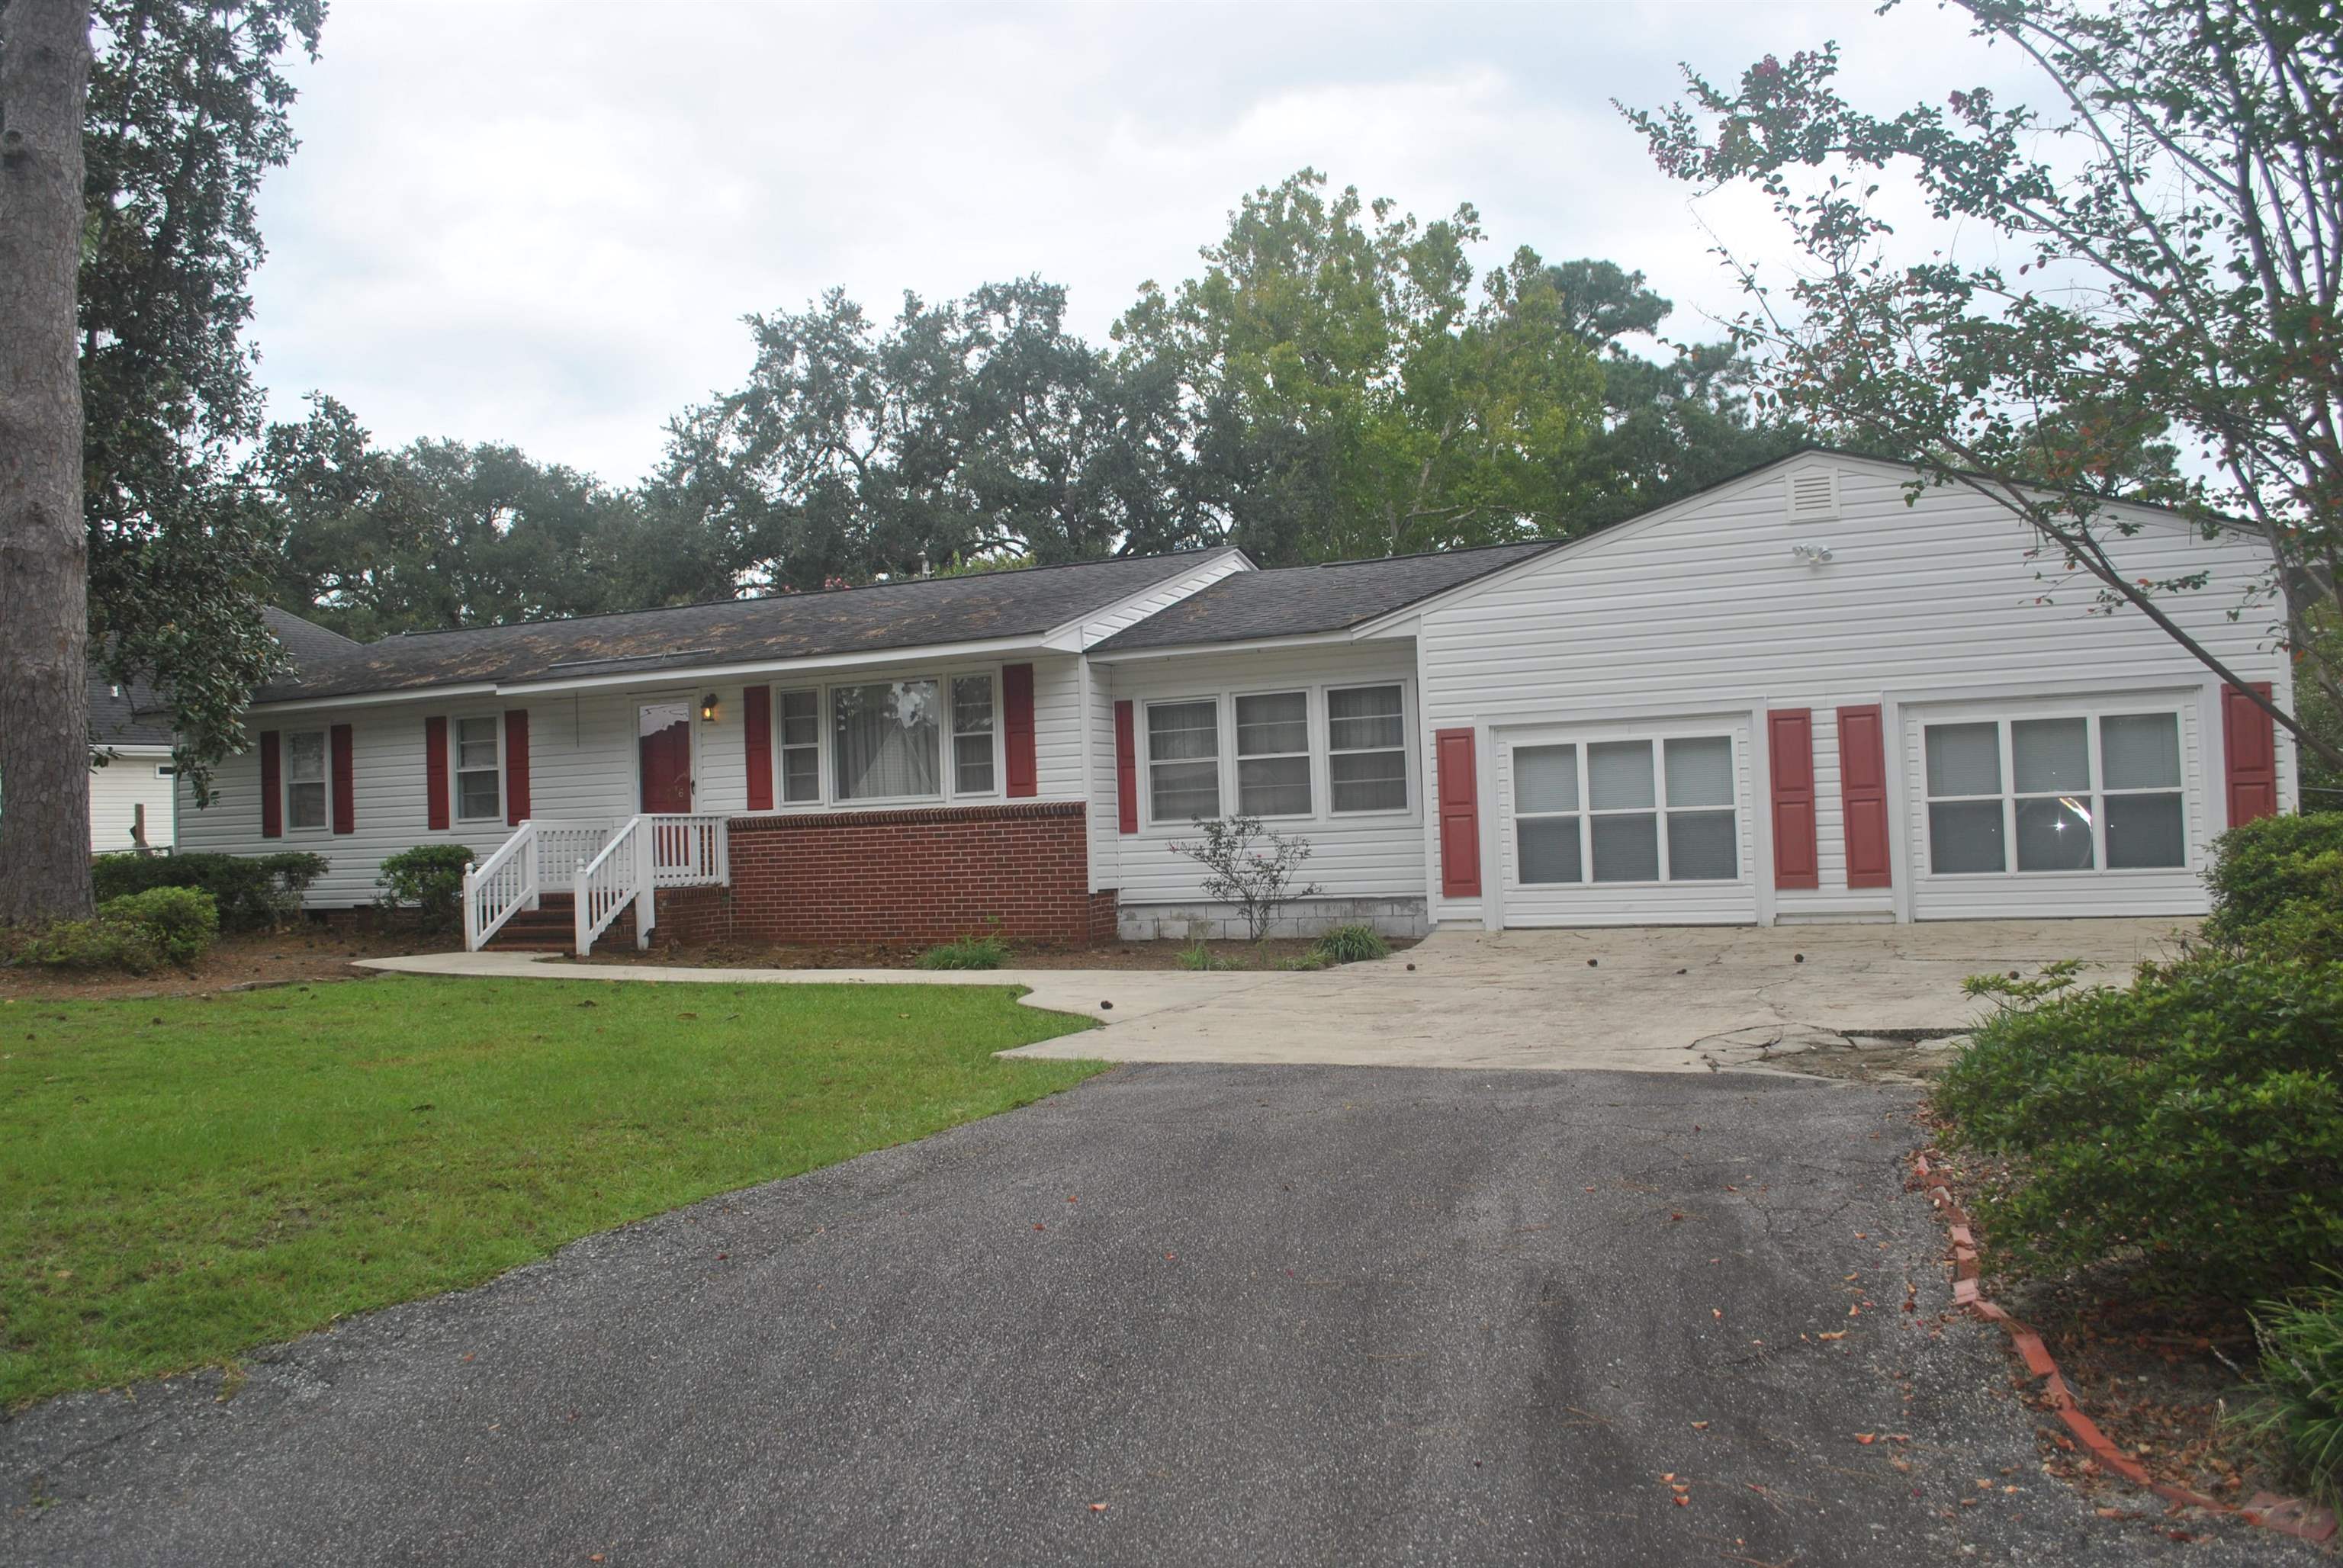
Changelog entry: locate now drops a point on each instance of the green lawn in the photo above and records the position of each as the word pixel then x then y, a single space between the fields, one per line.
pixel 183 1180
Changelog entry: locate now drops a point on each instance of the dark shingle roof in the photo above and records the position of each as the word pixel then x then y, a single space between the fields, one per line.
pixel 1295 601
pixel 304 639
pixel 125 715
pixel 922 613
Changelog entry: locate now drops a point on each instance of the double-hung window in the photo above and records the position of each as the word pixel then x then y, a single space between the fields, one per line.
pixel 972 734
pixel 1366 748
pixel 800 726
pixel 480 793
pixel 1626 811
pixel 1274 754
pixel 1183 760
pixel 305 778
pixel 2072 792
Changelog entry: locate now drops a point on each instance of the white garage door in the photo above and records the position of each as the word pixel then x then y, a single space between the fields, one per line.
pixel 2083 806
pixel 1644 824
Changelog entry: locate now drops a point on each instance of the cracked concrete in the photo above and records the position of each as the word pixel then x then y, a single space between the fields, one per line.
pixel 1797 999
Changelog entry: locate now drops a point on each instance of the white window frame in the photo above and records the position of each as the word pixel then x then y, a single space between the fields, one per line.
pixel 782 748
pixel 2001 715
pixel 1660 811
pixel 952 733
pixel 324 780
pixel 1232 786
pixel 1406 750
pixel 456 769
pixel 827 798
pixel 1223 721
pixel 1321 800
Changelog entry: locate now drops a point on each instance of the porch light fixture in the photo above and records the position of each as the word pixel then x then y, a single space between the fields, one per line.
pixel 708 708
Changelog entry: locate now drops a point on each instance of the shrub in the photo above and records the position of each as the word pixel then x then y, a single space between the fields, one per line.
pixel 1250 866
pixel 968 953
pixel 91 945
pixel 1350 945
pixel 2302 1383
pixel 2196 1116
pixel 428 878
pixel 2278 888
pixel 249 892
pixel 1197 956
pixel 179 922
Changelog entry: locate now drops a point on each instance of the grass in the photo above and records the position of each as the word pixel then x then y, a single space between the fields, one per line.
pixel 968 953
pixel 182 1180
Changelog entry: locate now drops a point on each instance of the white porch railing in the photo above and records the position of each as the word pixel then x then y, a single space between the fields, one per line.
pixel 607 866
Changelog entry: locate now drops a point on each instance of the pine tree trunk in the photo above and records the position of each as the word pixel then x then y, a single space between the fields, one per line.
pixel 44 554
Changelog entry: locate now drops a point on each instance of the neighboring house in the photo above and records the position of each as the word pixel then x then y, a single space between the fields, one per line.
pixel 135 787
pixel 1792 696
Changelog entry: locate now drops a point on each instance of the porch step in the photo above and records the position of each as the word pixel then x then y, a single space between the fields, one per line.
pixel 552 927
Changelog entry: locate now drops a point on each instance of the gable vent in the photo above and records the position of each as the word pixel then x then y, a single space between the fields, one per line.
pixel 1813 493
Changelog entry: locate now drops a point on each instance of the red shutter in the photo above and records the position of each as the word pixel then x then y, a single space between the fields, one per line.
pixel 1460 815
pixel 2249 741
pixel 516 766
pixel 272 788
pixel 346 780
pixel 757 735
pixel 1017 728
pixel 1126 768
pixel 435 772
pixel 1863 797
pixel 1790 743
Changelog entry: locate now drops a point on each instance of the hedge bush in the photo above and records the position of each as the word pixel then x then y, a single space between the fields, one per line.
pixel 2196 1116
pixel 428 878
pixel 250 892
pixel 90 945
pixel 2277 889
pixel 180 921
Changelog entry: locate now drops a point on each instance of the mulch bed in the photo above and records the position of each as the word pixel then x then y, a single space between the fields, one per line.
pixel 2166 1381
pixel 1161 955
pixel 305 953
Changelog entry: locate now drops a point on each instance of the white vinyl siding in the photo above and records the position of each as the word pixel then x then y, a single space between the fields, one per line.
pixel 116 791
pixel 1705 605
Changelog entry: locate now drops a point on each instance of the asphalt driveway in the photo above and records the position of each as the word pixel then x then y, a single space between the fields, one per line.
pixel 1181 1314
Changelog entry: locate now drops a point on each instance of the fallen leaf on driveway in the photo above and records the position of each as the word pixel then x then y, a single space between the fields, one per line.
pixel 1700 1426
pixel 1867 1438
pixel 1834 1334
pixel 1098 1508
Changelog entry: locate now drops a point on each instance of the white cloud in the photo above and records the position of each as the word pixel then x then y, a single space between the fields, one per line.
pixel 541 223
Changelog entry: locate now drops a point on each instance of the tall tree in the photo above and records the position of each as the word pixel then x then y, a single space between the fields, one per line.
pixel 1342 392
pixel 2175 216
pixel 187 112
pixel 44 55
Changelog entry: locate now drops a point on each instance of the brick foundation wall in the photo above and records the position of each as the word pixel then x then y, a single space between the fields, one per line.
pixel 925 875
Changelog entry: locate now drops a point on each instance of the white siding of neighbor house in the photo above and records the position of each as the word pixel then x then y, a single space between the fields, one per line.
pixel 1703 607
pixel 1369 867
pixel 115 792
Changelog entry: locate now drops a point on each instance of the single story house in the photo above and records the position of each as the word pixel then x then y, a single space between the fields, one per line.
pixel 131 792
pixel 1799 695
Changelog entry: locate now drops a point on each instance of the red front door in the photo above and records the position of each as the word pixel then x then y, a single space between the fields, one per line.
pixel 664 741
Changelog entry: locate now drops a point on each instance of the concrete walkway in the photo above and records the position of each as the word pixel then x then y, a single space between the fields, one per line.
pixel 1643 999
pixel 1108 995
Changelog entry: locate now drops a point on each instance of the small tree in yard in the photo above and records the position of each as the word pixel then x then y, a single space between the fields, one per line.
pixel 2161 256
pixel 1250 866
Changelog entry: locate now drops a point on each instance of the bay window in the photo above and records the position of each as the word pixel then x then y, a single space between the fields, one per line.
pixel 2065 792
pixel 884 741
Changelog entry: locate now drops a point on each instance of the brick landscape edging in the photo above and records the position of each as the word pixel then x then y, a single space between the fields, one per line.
pixel 2287 1515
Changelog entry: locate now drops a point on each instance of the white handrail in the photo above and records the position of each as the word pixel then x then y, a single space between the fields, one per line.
pixel 611 881
pixel 690 851
pixel 500 887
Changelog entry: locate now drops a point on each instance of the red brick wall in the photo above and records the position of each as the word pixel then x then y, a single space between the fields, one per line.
pixel 925 875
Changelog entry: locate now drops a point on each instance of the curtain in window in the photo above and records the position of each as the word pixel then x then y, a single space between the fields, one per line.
pixel 885 742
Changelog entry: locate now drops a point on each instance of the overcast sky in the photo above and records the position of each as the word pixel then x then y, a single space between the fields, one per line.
pixel 542 224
